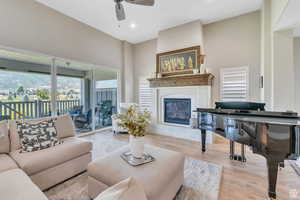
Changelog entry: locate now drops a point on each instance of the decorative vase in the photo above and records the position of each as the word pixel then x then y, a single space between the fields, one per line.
pixel 196 71
pixel 202 69
pixel 137 146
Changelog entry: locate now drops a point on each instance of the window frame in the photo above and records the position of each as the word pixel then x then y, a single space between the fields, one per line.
pixel 228 69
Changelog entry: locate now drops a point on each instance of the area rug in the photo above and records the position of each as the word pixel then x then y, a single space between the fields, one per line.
pixel 201 179
pixel 295 166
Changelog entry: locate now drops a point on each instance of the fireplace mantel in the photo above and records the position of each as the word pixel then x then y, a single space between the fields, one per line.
pixel 179 81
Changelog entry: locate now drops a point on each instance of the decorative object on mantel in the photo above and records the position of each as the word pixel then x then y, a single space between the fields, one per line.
pixel 195 71
pixel 153 75
pixel 179 62
pixel 136 123
pixel 186 80
pixel 207 70
pixel 158 75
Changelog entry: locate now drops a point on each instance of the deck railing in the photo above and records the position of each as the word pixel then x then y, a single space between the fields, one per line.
pixel 34 109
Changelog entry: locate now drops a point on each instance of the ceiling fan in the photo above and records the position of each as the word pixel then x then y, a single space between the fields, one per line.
pixel 120 8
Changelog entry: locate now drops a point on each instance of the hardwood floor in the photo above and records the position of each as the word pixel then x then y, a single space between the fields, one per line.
pixel 240 181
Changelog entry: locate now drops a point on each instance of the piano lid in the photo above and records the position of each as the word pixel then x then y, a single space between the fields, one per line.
pixel 283 118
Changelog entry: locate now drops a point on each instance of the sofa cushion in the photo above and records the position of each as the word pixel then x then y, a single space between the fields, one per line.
pixel 125 190
pixel 7 163
pixel 38 136
pixel 34 162
pixel 4 138
pixel 16 185
pixel 64 126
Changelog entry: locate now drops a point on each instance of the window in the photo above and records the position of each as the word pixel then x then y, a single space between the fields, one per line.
pixel 234 84
pixel 145 95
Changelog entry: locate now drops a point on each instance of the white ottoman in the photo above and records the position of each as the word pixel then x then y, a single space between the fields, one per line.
pixel 160 179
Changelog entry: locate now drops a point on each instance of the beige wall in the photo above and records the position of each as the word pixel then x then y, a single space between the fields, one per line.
pixel 31 26
pixel 234 42
pixel 283 71
pixel 179 37
pixel 127 71
pixel 144 59
pixel 297 72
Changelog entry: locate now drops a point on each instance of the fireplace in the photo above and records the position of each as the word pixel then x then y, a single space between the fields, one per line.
pixel 177 111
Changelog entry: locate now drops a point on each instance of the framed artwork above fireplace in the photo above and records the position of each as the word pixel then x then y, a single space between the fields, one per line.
pixel 179 62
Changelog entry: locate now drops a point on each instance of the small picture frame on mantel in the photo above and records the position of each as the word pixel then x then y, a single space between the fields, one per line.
pixel 179 62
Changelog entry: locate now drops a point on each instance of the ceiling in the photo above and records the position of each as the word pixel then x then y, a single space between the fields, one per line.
pixel 297 32
pixel 99 73
pixel 100 14
pixel 290 18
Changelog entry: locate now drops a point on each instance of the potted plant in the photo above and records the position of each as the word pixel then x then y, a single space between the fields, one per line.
pixel 135 122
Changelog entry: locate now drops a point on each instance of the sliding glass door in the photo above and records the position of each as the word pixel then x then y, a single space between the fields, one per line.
pixel 35 86
pixel 25 86
pixel 105 96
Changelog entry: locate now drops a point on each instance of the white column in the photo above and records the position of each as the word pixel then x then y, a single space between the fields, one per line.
pixel 93 99
pixel 53 87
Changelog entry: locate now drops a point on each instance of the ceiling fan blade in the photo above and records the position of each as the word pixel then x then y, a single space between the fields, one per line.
pixel 120 12
pixel 142 2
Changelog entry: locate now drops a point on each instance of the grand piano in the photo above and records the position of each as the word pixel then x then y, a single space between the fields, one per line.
pixel 274 135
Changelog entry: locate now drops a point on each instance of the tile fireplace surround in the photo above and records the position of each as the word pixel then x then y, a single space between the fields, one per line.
pixel 200 96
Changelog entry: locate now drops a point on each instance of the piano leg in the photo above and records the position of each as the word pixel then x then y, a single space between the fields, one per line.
pixel 233 156
pixel 272 176
pixel 243 153
pixel 203 140
pixel 232 150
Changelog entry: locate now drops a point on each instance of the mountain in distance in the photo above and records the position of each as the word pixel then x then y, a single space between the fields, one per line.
pixel 13 80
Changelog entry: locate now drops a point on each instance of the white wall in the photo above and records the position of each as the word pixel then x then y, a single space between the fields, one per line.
pixel 277 54
pixel 31 26
pixel 184 36
pixel 297 72
pixel 266 59
pixel 278 7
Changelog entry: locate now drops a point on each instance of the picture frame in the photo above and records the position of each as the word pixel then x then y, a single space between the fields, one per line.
pixel 179 62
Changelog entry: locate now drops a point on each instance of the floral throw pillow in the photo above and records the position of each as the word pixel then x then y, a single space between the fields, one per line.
pixel 37 136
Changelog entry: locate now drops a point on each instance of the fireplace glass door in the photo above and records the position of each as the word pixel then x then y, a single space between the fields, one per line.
pixel 177 111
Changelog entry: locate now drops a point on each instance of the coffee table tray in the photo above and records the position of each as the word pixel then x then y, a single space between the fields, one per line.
pixel 127 156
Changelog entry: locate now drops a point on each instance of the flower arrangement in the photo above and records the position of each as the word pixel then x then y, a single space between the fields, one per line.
pixel 135 122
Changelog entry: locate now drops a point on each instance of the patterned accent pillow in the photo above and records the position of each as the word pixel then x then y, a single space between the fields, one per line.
pixel 37 136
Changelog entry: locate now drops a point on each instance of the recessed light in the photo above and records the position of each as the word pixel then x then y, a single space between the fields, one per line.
pixel 132 25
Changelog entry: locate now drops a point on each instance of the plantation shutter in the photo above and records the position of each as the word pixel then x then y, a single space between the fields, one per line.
pixel 145 95
pixel 234 84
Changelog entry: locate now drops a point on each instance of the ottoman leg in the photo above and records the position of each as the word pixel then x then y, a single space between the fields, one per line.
pixel 179 190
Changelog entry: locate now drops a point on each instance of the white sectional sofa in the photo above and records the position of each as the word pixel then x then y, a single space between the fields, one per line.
pixel 26 175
